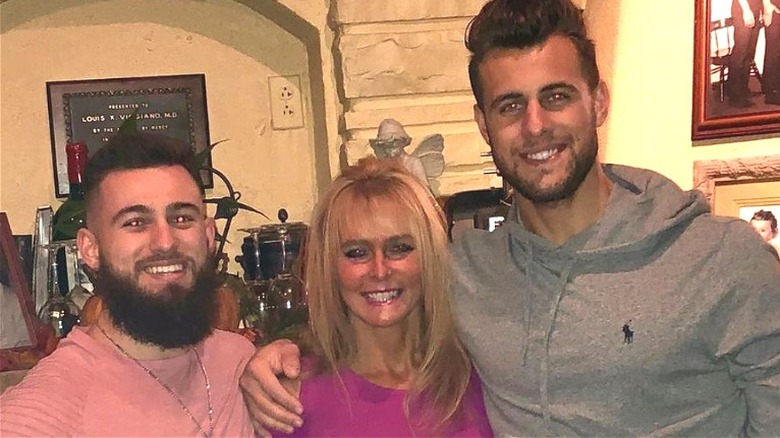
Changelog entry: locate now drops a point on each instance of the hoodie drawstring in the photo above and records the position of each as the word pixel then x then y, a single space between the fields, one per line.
pixel 543 381
pixel 528 306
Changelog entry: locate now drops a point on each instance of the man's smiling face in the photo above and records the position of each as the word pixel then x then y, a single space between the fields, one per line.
pixel 150 225
pixel 539 117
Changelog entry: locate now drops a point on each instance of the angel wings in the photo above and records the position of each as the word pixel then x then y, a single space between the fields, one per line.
pixel 429 152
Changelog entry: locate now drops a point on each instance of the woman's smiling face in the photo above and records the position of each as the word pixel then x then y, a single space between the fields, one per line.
pixel 379 267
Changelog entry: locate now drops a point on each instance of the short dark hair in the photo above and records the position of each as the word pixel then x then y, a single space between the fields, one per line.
pixel 137 150
pixel 518 24
pixel 765 215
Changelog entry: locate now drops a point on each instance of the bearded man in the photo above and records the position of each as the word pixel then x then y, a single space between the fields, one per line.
pixel 151 364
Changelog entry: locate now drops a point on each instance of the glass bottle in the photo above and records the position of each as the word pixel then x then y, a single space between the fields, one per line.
pixel 71 215
pixel 59 311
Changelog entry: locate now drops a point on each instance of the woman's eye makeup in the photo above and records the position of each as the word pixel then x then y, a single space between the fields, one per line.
pixel 400 247
pixel 355 252
pixel 394 248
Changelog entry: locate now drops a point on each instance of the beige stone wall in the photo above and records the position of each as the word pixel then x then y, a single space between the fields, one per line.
pixel 408 62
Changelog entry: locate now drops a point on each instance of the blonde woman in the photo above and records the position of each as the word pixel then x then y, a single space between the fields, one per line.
pixel 387 359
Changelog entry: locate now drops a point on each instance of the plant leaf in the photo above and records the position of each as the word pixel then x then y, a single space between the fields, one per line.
pixel 227 203
pixel 243 206
pixel 202 157
pixel 130 124
pixel 227 207
pixel 70 217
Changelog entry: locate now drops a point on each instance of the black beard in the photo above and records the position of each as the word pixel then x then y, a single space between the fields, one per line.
pixel 174 317
pixel 583 163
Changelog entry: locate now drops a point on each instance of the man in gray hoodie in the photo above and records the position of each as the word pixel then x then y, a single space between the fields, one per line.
pixel 610 303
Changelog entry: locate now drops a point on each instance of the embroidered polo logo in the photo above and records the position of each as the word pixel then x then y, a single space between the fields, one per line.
pixel 628 334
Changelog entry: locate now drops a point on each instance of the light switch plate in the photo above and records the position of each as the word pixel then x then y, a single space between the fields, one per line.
pixel 286 102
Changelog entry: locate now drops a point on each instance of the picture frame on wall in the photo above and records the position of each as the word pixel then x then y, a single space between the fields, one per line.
pixel 92 110
pixel 730 185
pixel 741 187
pixel 18 323
pixel 724 103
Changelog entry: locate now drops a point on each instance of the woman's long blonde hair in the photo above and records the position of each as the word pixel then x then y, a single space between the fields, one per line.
pixel 442 368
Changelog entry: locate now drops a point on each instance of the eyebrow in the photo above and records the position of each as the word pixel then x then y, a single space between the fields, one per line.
pixel 555 85
pixel 368 241
pixel 137 208
pixel 178 206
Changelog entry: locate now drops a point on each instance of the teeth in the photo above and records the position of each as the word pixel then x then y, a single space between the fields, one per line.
pixel 383 297
pixel 543 155
pixel 165 269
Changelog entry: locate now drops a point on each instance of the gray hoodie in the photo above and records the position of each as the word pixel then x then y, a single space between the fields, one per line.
pixel 659 319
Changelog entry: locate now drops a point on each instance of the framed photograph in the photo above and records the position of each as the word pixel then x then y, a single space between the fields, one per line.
pixel 92 111
pixel 742 187
pixel 764 217
pixel 746 212
pixel 736 71
pixel 18 324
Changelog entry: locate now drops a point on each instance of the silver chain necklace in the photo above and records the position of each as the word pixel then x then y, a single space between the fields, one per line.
pixel 206 434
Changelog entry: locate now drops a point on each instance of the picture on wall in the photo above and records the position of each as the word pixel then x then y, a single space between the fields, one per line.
pixel 746 213
pixel 736 73
pixel 91 111
pixel 742 187
pixel 764 220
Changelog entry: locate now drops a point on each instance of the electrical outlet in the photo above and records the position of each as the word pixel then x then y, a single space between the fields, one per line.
pixel 286 102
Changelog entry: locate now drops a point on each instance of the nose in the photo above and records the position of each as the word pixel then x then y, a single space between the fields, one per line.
pixel 162 237
pixel 379 266
pixel 535 119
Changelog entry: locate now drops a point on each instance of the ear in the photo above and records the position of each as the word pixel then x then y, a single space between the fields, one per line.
pixel 479 117
pixel 211 233
pixel 88 248
pixel 601 103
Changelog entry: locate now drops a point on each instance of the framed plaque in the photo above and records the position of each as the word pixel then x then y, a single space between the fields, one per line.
pixel 92 111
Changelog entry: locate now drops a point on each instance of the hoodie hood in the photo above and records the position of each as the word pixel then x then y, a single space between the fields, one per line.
pixel 644 211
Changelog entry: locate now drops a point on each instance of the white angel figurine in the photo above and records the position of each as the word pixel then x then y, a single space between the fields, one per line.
pixel 426 162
